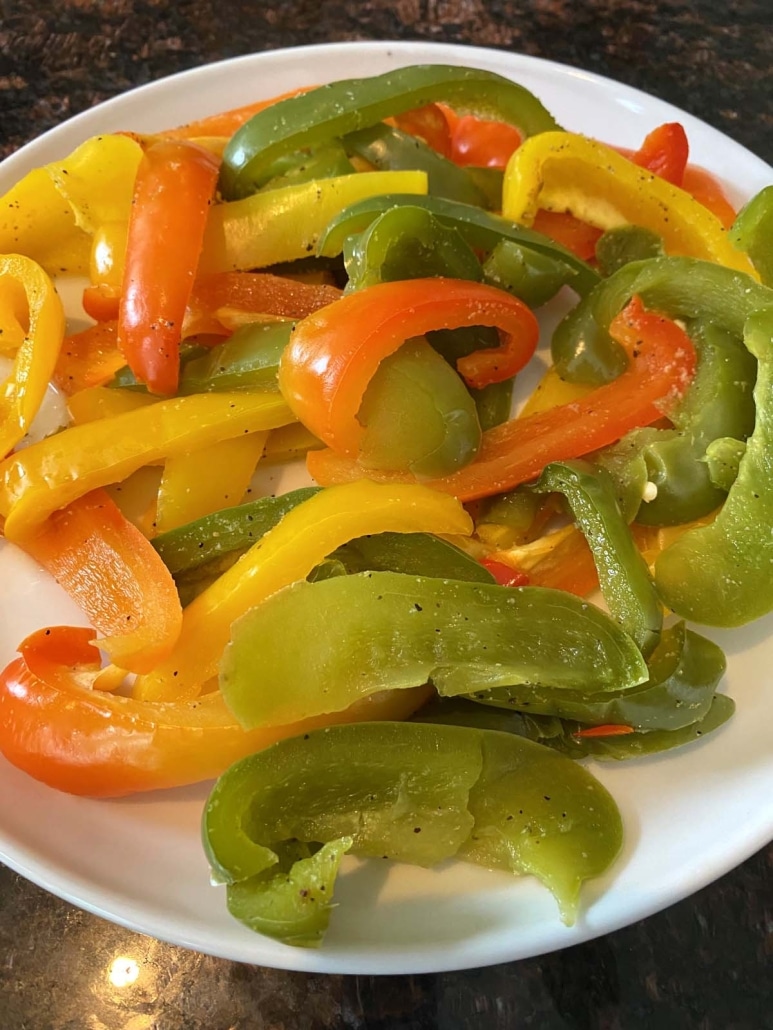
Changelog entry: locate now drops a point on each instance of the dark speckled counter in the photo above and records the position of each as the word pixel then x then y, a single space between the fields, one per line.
pixel 704 963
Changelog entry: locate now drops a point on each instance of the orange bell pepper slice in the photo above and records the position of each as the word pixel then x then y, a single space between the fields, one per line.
pixel 173 191
pixel 334 353
pixel 665 151
pixel 662 365
pixel 88 358
pixel 115 575
pixel 93 743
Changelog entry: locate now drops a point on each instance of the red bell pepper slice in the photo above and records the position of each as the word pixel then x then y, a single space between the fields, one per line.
pixel 661 367
pixel 609 730
pixel 173 190
pixel 334 353
pixel 430 124
pixel 94 743
pixel 483 143
pixel 505 575
pixel 665 151
pixel 116 576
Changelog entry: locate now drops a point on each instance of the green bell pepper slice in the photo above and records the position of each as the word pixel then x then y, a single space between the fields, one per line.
pixel 752 232
pixel 684 671
pixel 678 287
pixel 624 244
pixel 391 150
pixel 723 458
pixel 533 277
pixel 624 578
pixel 481 229
pixel 332 111
pixel 326 162
pixel 720 574
pixel 394 631
pixel 277 823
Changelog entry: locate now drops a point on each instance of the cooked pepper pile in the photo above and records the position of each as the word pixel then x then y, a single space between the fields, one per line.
pixel 404 656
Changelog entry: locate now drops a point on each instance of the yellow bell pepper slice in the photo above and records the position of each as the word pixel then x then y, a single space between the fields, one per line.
pixel 284 224
pixel 31 300
pixel 186 494
pixel 97 402
pixel 53 473
pixel 37 222
pixel 561 171
pixel 288 553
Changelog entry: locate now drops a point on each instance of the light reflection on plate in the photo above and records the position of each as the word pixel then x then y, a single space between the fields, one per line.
pixel 689 817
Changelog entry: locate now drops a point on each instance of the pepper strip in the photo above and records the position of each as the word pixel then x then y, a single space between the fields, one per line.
pixel 333 354
pixel 172 194
pixel 285 224
pixel 561 171
pixel 61 468
pixel 287 553
pixel 116 576
pixel 720 574
pixel 661 367
pixel 100 745
pixel 30 288
pixel 331 111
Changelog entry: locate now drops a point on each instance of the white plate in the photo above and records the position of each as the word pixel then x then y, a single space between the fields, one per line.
pixel 689 817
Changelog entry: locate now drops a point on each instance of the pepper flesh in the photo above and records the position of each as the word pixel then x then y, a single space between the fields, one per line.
pixel 394 631
pixel 90 742
pixel 334 353
pixel 720 574
pixel 562 171
pixel 53 473
pixel 331 111
pixel 412 792
pixel 288 552
pixel 30 298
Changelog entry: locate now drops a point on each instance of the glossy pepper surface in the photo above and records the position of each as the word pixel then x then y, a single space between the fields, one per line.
pixel 720 574
pixel 562 171
pixel 395 631
pixel 56 725
pixel 287 553
pixel 331 111
pixel 415 793
pixel 32 315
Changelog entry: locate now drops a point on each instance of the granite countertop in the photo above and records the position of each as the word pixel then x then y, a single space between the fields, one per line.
pixel 704 963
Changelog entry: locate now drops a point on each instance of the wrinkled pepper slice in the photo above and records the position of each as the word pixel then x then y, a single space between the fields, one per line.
pixel 334 353
pixel 285 554
pixel 624 578
pixel 53 473
pixel 395 630
pixel 332 111
pixel 112 572
pixel 31 306
pixel 286 224
pixel 662 364
pixel 684 671
pixel 173 192
pixel 276 824
pixel 90 742
pixel 680 288
pixel 720 574
pixel 561 171
pixel 481 230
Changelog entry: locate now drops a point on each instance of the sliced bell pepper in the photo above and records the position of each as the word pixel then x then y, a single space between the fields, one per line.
pixel 286 224
pixel 173 192
pixel 334 353
pixel 572 233
pixel 288 552
pixel 482 143
pixel 255 293
pixel 276 825
pixel 708 191
pixel 561 171
pixel 665 151
pixel 331 111
pixel 752 232
pixel 196 484
pixel 97 402
pixel 720 574
pixel 90 742
pixel 662 365
pixel 31 302
pixel 53 473
pixel 88 358
pixel 624 578
pixel 429 123
pixel 395 631
pixel 114 574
